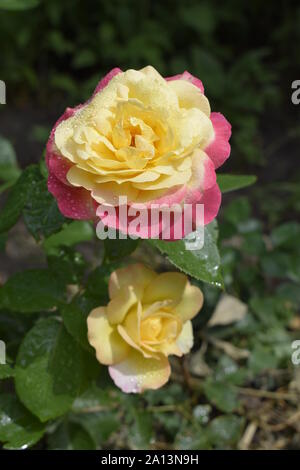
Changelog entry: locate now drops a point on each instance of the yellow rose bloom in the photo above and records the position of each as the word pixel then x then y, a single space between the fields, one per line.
pixel 145 139
pixel 145 129
pixel 147 319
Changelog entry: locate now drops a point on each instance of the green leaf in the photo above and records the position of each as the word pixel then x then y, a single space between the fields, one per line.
pixel 6 186
pixel 277 264
pixel 228 371
pixel 16 199
pixel 67 265
pixel 48 371
pixel 9 170
pixel 31 291
pixel 238 211
pixel 262 358
pixel 97 282
pixel 253 244
pixel 18 4
pixel 100 425
pixel 31 196
pixel 141 432
pixel 117 249
pixel 6 371
pixel 71 234
pixel 229 183
pixel 70 436
pixel 286 235
pixel 13 328
pixel 290 292
pixel 75 316
pixel 41 214
pixel 193 439
pixel 203 264
pixel 225 430
pixel 94 397
pixel 271 310
pixel 18 428
pixel 222 394
pixel 168 395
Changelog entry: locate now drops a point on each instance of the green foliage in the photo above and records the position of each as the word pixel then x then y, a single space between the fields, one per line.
pixel 76 232
pixel 48 371
pixel 9 169
pixel 16 200
pixel 99 426
pixel 57 378
pixel 117 249
pixel 203 263
pixel 29 196
pixel 233 182
pixel 18 429
pixel 41 214
pixel 216 43
pixel 31 291
pixel 6 371
pixel 70 436
pixel 18 4
pixel 225 431
pixel 53 391
pixel 75 315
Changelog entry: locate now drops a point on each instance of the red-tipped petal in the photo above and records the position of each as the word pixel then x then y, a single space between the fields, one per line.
pixel 219 149
pixel 74 203
pixel 190 78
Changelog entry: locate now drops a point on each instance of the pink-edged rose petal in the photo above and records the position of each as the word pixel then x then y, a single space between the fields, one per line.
pixel 105 80
pixel 189 77
pixel 211 199
pixel 59 167
pixel 74 203
pixel 136 373
pixel 69 112
pixel 219 149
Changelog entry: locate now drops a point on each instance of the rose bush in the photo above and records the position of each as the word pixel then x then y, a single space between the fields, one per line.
pixel 147 319
pixel 151 139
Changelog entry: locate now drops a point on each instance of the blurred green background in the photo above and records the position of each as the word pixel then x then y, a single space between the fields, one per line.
pixel 244 52
pixel 52 56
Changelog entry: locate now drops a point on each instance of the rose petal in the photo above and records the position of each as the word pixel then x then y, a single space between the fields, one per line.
pixel 190 303
pixel 219 149
pixel 50 150
pixel 59 167
pixel 120 304
pixel 165 286
pixel 190 96
pixel 132 275
pixel 105 80
pixel 203 176
pixel 211 200
pixel 75 203
pixel 185 340
pixel 189 77
pixel 109 345
pixel 137 373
